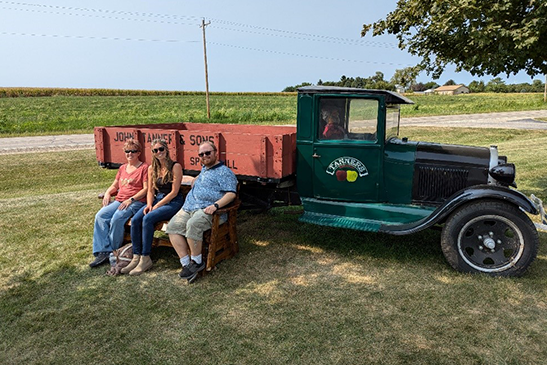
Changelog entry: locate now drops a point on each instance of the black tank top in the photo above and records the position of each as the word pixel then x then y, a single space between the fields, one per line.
pixel 162 187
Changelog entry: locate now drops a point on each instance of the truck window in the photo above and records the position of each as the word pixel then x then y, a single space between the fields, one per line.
pixel 392 121
pixel 363 119
pixel 345 118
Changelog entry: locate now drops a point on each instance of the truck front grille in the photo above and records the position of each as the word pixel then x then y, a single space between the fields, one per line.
pixel 435 184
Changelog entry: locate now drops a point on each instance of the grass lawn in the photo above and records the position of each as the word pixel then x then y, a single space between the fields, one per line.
pixel 295 294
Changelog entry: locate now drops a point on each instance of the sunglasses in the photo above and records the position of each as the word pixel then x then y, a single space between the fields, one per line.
pixel 205 153
pixel 131 151
pixel 159 149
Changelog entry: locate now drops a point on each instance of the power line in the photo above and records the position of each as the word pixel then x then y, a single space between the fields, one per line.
pixel 94 38
pixel 313 38
pixel 308 56
pixel 98 16
pixel 307 35
pixel 212 43
pixel 100 10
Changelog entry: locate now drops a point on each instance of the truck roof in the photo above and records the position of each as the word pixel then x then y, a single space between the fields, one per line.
pixel 390 96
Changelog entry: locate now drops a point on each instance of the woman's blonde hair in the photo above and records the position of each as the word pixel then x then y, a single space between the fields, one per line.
pixel 131 144
pixel 156 165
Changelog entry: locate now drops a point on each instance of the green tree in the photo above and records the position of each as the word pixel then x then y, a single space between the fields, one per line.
pixel 418 87
pixel 405 77
pixel 496 85
pixel 450 82
pixel 378 77
pixel 537 86
pixel 295 88
pixel 476 86
pixel 479 36
pixel 431 85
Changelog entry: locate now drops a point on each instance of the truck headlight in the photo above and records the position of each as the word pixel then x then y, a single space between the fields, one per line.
pixel 504 174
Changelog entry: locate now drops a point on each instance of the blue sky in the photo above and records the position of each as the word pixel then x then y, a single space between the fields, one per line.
pixel 157 44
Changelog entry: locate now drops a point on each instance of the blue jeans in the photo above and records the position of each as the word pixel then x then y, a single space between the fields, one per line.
pixel 142 226
pixel 109 226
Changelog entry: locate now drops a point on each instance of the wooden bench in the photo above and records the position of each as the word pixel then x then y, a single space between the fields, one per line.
pixel 219 242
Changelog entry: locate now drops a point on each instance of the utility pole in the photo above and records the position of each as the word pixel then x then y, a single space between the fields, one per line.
pixel 203 25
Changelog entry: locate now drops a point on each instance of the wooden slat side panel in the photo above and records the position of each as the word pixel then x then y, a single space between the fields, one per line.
pixel 99 134
pixel 261 153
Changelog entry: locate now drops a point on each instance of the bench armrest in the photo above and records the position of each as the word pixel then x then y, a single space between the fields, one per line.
pixel 234 205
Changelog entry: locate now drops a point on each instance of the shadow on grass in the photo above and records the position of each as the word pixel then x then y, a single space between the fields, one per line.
pixel 279 227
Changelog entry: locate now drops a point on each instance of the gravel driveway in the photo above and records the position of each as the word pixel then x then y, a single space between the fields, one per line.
pixel 509 120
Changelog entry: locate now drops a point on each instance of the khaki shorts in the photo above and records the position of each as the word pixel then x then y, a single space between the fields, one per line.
pixel 190 224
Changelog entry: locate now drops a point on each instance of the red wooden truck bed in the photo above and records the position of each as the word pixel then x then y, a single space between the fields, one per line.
pixel 253 152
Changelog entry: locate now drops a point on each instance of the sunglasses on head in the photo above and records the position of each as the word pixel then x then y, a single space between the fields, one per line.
pixel 131 151
pixel 205 153
pixel 159 149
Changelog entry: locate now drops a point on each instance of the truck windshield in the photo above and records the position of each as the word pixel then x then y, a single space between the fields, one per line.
pixel 346 118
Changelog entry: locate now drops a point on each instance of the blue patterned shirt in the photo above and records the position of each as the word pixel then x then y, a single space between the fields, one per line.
pixel 210 185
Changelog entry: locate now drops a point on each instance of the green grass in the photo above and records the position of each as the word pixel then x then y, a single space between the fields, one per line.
pixel 62 114
pixel 73 114
pixel 295 293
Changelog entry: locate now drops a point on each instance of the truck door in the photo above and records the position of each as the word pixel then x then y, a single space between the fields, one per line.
pixel 347 148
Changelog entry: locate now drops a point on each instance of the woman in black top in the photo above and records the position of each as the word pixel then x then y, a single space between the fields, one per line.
pixel 164 200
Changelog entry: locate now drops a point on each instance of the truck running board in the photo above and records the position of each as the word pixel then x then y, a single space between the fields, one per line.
pixel 371 217
pixel 340 222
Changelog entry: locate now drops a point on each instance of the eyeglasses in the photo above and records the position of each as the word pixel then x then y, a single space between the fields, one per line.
pixel 159 149
pixel 205 153
pixel 131 151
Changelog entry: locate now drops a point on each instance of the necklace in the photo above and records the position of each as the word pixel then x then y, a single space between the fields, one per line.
pixel 136 167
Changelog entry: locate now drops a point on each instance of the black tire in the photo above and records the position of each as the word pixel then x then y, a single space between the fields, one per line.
pixel 491 237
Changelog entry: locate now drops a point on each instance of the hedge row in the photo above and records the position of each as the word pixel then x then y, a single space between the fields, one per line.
pixel 18 92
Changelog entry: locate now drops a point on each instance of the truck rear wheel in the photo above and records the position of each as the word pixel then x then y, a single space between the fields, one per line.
pixel 490 237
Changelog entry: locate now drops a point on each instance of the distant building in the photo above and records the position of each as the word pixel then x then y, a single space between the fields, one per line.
pixel 452 90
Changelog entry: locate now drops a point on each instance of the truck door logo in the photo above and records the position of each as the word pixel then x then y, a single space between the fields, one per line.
pixel 347 169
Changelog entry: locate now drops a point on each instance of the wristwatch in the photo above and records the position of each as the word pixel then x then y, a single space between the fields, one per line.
pixel 132 199
pixel 216 206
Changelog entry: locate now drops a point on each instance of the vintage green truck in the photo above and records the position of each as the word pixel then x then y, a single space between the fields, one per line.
pixel 348 167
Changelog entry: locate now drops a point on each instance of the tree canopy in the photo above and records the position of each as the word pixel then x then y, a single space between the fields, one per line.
pixel 479 36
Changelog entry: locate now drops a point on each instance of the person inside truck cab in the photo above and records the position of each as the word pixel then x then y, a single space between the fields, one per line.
pixel 333 128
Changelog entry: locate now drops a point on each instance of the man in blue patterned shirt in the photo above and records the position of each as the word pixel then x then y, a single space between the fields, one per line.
pixel 214 188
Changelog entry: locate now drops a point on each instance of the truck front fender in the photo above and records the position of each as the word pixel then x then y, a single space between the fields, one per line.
pixel 478 192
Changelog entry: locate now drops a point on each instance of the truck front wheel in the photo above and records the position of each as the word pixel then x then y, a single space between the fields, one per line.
pixel 490 237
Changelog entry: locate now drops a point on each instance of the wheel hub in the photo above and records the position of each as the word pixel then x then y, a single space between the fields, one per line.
pixel 490 243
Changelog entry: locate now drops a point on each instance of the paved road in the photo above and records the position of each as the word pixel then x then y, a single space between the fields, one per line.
pixel 46 143
pixel 510 120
